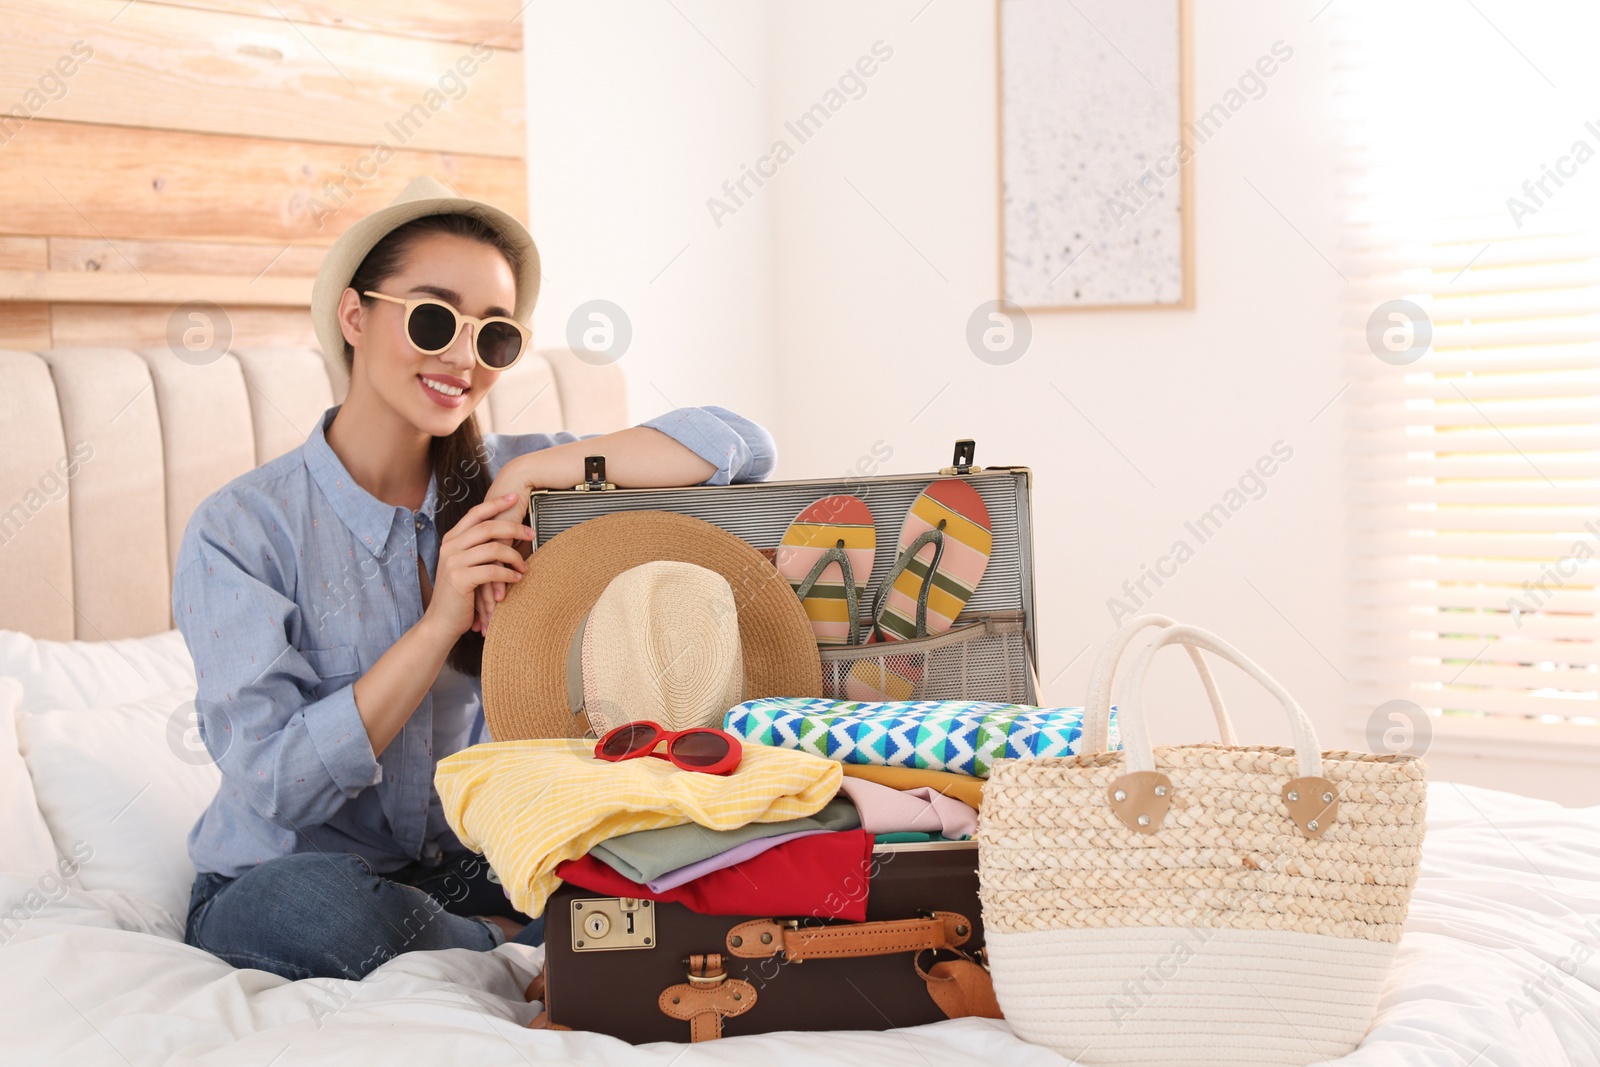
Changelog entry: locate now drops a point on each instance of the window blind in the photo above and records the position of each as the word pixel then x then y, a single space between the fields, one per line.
pixel 1473 463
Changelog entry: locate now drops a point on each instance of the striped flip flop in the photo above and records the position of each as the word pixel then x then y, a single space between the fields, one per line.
pixel 826 555
pixel 940 559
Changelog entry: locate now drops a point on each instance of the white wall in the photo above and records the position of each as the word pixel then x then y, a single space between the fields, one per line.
pixel 848 279
pixel 1133 422
pixel 633 119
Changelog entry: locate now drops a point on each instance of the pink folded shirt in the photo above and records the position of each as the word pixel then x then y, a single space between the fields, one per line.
pixel 885 810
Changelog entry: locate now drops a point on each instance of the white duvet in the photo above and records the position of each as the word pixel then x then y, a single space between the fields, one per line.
pixel 1500 964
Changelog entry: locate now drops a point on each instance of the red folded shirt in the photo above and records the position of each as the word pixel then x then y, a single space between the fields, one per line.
pixel 823 876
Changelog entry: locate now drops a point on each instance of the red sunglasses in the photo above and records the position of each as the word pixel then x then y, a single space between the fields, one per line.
pixel 700 749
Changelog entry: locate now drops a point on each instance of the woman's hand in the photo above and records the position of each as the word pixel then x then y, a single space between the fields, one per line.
pixel 638 457
pixel 476 552
pixel 515 477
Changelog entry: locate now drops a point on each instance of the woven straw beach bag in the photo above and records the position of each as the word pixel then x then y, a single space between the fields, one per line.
pixel 1193 904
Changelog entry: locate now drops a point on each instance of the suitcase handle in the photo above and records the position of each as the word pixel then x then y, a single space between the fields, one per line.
pixel 762 938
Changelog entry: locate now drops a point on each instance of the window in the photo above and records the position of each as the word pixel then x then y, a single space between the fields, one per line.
pixel 1473 418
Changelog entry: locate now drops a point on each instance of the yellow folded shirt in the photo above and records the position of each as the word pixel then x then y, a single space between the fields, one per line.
pixel 529 806
pixel 962 787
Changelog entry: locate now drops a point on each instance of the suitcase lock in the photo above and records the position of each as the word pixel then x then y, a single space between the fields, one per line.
pixel 607 923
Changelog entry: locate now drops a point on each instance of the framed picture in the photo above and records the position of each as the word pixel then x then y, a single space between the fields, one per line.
pixel 1095 157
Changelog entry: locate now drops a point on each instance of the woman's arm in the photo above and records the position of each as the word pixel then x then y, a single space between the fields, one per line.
pixel 639 457
pixel 658 452
pixel 294 758
pixel 707 445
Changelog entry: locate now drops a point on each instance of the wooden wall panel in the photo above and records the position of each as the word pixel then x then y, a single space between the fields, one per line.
pixel 176 257
pixel 213 149
pixel 161 184
pixel 467 21
pixel 25 327
pixel 127 287
pixel 145 326
pixel 165 67
pixel 23 253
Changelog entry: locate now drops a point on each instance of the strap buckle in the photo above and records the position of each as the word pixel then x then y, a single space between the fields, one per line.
pixel 703 980
pixel 705 970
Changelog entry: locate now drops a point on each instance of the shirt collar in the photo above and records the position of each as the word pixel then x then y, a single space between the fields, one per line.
pixel 369 518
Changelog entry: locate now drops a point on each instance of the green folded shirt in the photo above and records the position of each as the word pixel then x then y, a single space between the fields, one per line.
pixel 905 837
pixel 646 855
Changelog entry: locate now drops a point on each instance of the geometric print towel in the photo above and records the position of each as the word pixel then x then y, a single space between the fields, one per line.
pixel 963 736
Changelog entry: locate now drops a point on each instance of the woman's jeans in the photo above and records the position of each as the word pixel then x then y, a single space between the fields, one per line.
pixel 327 915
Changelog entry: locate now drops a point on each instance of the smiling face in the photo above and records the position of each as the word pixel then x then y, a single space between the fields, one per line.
pixel 470 276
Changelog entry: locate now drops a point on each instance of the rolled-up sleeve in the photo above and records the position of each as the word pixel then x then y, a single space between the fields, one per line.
pixel 295 758
pixel 743 451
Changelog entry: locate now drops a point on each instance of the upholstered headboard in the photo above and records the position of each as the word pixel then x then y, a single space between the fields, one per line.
pixel 107 451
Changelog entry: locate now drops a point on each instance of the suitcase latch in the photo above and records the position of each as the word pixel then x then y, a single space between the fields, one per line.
pixel 708 997
pixel 601 924
pixel 962 463
pixel 594 474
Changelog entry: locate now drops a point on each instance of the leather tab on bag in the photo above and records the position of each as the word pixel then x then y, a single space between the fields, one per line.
pixel 1313 804
pixel 704 1006
pixel 961 988
pixel 761 938
pixel 1141 799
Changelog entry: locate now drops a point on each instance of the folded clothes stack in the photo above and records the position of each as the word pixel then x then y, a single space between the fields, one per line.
pixel 529 806
pixel 782 868
pixel 785 833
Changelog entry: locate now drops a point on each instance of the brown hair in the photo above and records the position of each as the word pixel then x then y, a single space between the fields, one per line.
pixel 459 462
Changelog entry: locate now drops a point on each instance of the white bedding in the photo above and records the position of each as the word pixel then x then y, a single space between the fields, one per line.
pixel 1500 965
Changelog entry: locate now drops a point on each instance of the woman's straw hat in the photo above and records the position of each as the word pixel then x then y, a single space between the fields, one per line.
pixel 536 629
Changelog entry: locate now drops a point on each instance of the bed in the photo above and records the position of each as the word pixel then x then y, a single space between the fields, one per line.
pixel 99 780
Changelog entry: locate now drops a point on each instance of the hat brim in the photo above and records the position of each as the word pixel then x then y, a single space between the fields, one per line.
pixel 525 652
pixel 346 254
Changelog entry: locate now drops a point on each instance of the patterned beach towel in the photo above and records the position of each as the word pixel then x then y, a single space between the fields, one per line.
pixel 964 736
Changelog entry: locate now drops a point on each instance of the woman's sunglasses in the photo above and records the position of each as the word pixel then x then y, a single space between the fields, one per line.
pixel 432 326
pixel 701 749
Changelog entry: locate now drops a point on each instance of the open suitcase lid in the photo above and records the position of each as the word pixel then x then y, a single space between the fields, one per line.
pixel 760 512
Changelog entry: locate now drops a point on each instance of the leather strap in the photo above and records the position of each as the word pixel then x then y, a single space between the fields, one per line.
pixel 707 997
pixel 762 938
pixel 961 988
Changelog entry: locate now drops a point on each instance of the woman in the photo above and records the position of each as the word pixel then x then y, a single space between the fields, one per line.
pixel 335 601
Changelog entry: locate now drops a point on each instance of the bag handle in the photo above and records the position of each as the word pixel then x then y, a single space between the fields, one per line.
pixel 1136 735
pixel 1097 716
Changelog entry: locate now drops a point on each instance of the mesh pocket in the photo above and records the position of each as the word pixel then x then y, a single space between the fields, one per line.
pixel 985 658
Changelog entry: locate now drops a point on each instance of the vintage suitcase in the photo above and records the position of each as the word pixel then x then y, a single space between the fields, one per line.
pixel 627 967
pixel 991 651
pixel 643 971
